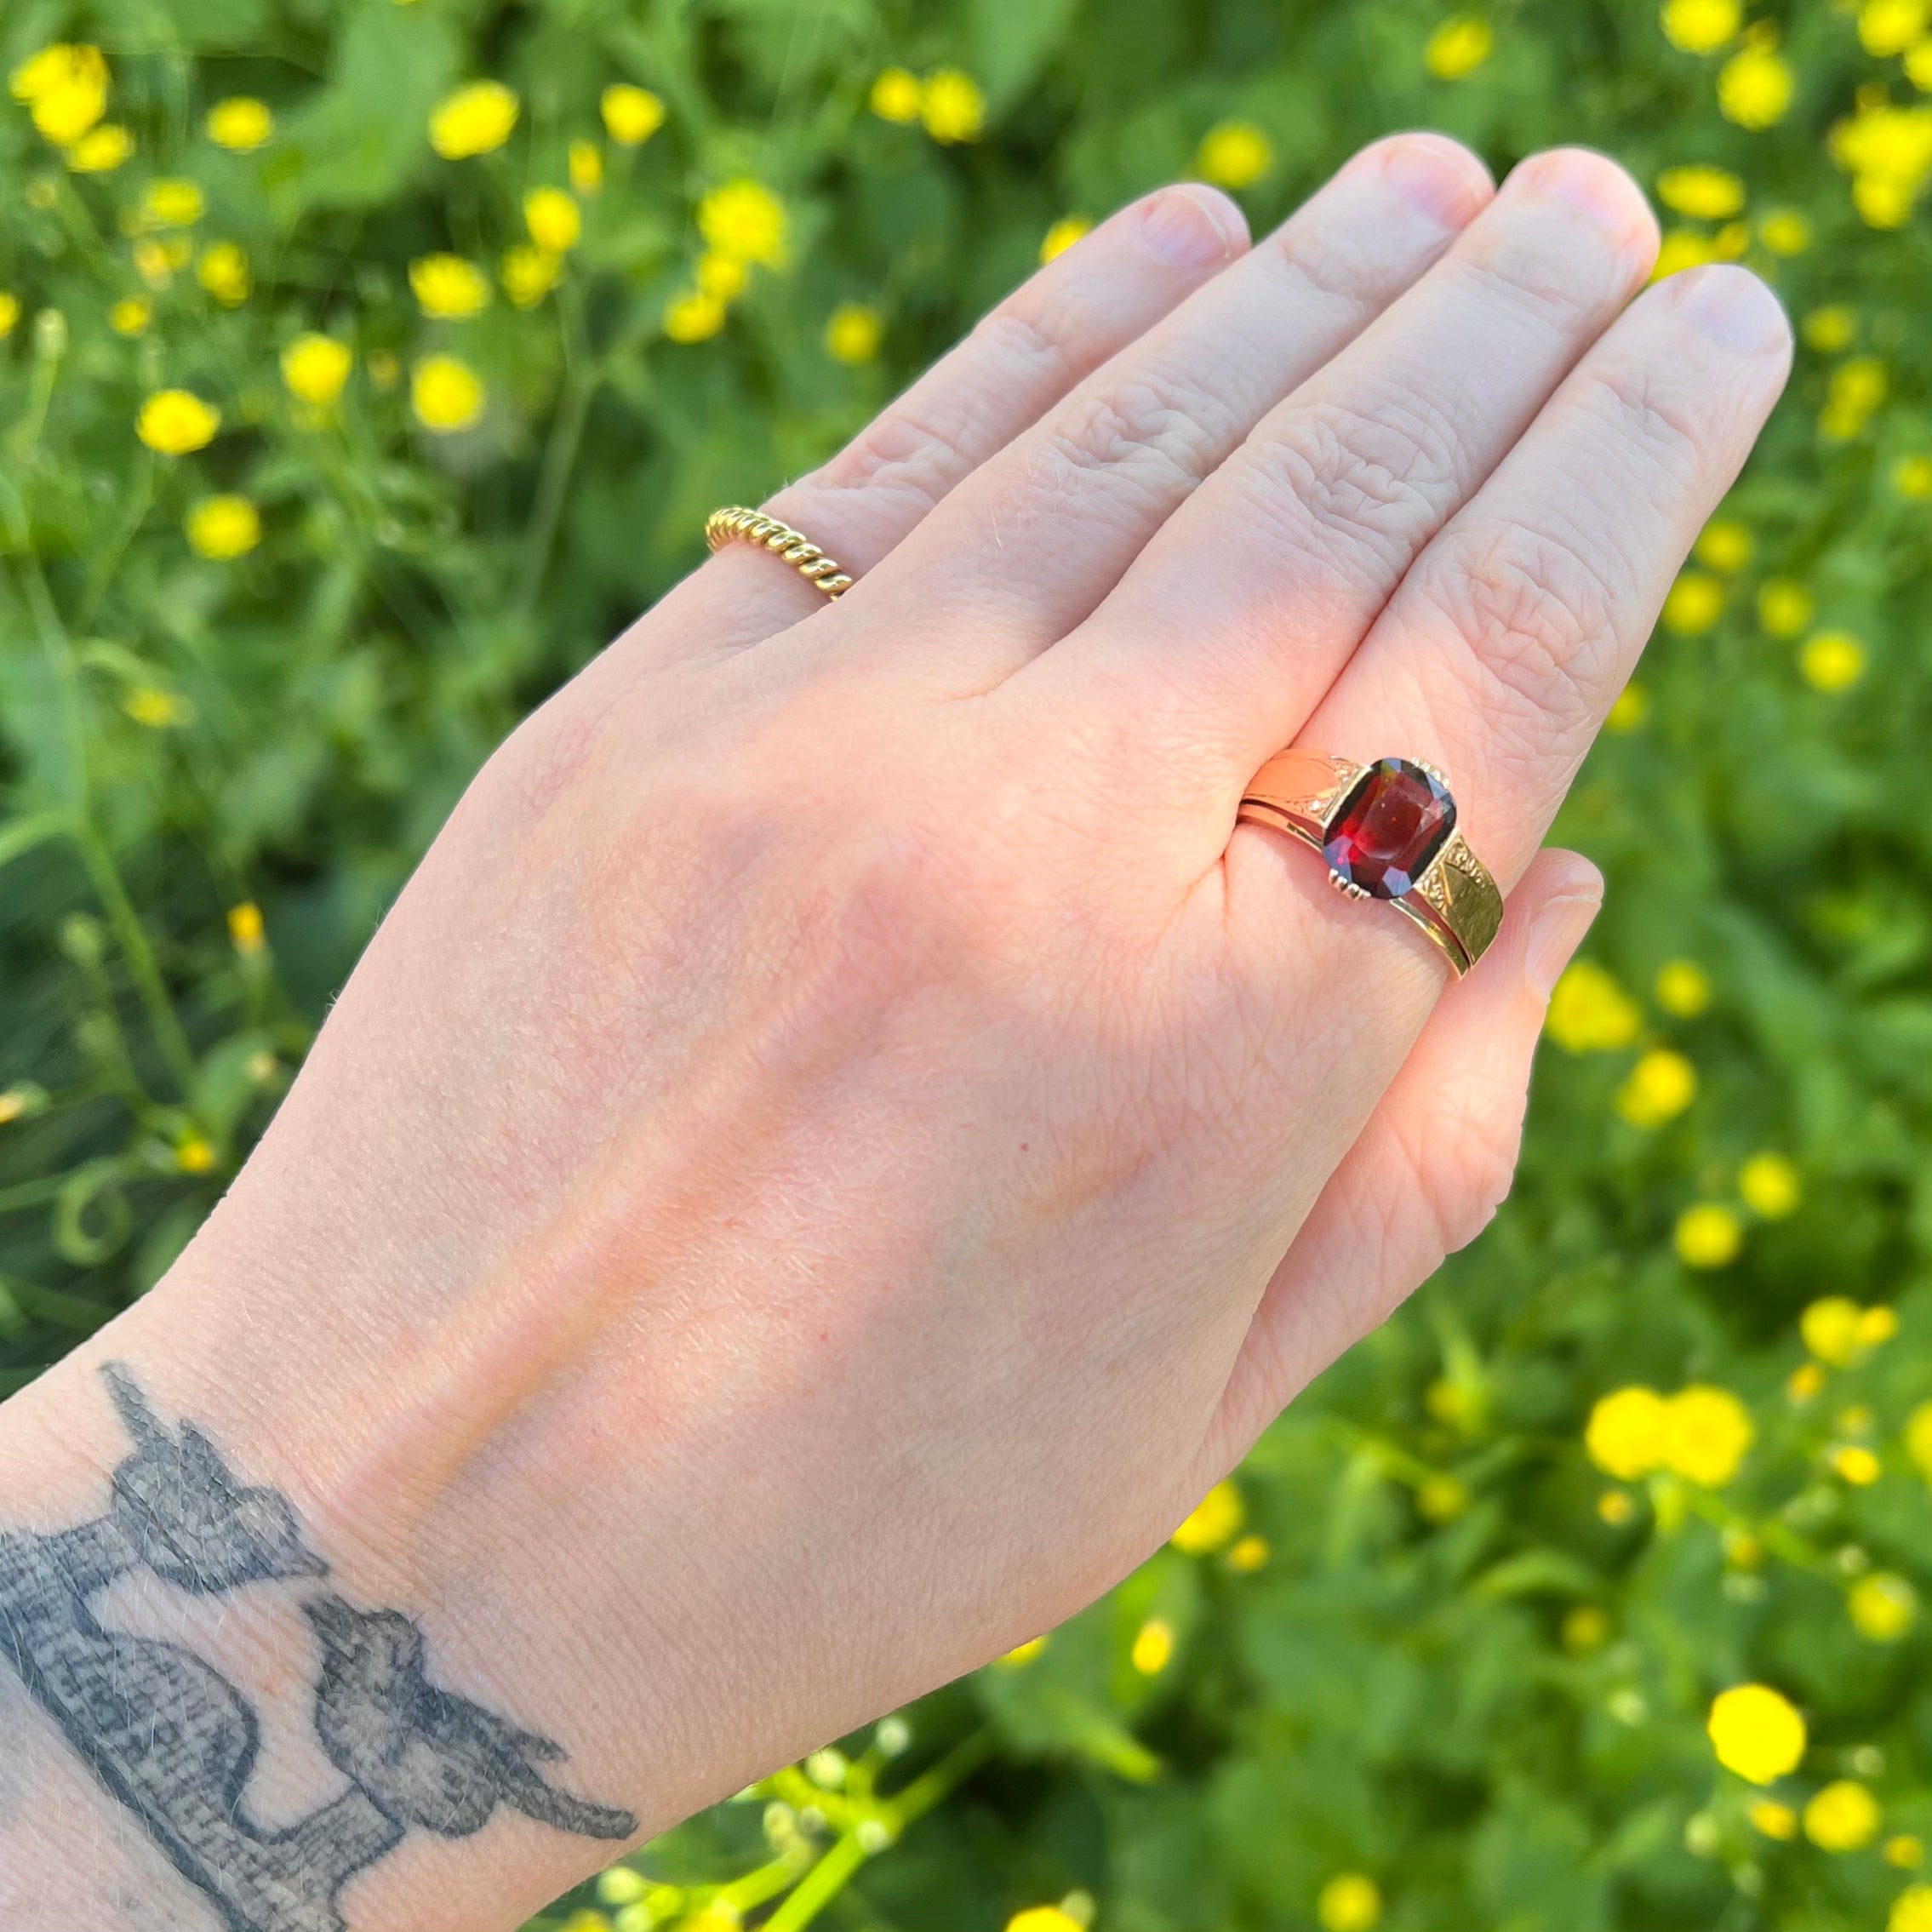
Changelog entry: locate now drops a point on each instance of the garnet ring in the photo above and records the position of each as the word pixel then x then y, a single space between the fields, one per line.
pixel 1387 830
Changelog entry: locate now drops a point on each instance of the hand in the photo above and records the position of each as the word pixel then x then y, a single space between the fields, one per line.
pixel 844 1140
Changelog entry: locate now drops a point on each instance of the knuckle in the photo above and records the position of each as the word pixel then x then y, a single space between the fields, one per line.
pixel 1154 433
pixel 1651 421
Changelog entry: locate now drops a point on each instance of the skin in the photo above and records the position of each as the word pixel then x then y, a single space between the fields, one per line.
pixel 843 1140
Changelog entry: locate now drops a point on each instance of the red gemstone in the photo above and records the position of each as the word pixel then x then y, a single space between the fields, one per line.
pixel 1388 828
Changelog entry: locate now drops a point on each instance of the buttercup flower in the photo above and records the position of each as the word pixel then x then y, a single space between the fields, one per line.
pixel 1349 1902
pixel 65 88
pixel 1702 26
pixel 1856 389
pixel 632 115
pixel 1886 27
pixel 1044 1918
pixel 448 287
pixel 1786 232
pixel 315 367
pixel 1784 609
pixel 174 421
pixel 694 315
pixel 1153 1647
pixel 222 527
pixel 1725 545
pixel 528 274
pixel 1021 1654
pixel 1706 194
pixel 951 107
pixel 1590 1012
pixel 1682 248
pixel 1631 707
pixel 240 123
pixel 1708 1236
pixel 1696 602
pixel 1249 1554
pixel 1683 988
pixel 1234 154
pixel 1832 661
pixel 745 220
pixel 1842 1817
pixel 10 313
pixel 446 394
pixel 1883 1607
pixel 1458 47
pixel 1625 1434
pixel 100 150
pixel 1770 1185
pixel 246 930
pixel 1754 88
pixel 172 202
pixel 1660 1086
pixel 585 163
pixel 223 271
pixel 1774 1819
pixel 1215 1521
pixel 1757 1733
pixel 1856 1465
pixel 853 332
pixel 1912 1911
pixel 1064 233
pixel 553 219
pixel 148 704
pixel 722 276
pixel 474 120
pixel 896 96
pixel 1706 1435
pixel 130 315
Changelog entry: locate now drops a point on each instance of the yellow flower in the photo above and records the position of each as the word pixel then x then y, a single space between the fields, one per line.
pixel 632 115
pixel 474 120
pixel 1215 1522
pixel 65 88
pixel 1856 389
pixel 1806 1380
pixel 245 927
pixel 174 421
pixel 1234 154
pixel 1725 545
pixel 1590 1012
pixel 1918 66
pixel 448 287
pixel 1021 1654
pixel 1832 661
pixel 1442 1499
pixel 1886 27
pixel 1877 1326
pixel 1708 1236
pixel 1706 1432
pixel 1887 151
pixel 10 313
pixel 587 167
pixel 1458 47
pixel 853 332
pixel 1044 1918
pixel 1706 194
pixel 1615 1507
pixel 172 202
pixel 130 315
pixel 1770 1185
pixel 1064 233
pixel 13 1105
pixel 553 219
pixel 1683 988
pixel 745 220
pixel 1856 1465
pixel 1631 707
pixel 1702 26
pixel 1784 609
pixel 1694 604
pixel 385 370
pixel 1906 1851
pixel 953 106
pixel 722 276
pixel 897 96
pixel 158 710
pixel 1883 1607
pixel 221 527
pixel 446 394
pixel 240 123
pixel 1660 1086
pixel 528 274
pixel 1911 477
pixel 223 271
pixel 1754 88
pixel 1249 1554
pixel 1912 1911
pixel 1625 1434
pixel 316 367
pixel 1349 1902
pixel 194 1155
pixel 1774 1819
pixel 100 150
pixel 1786 232
pixel 153 262
pixel 1584 1629
pixel 1842 1817
pixel 1831 329
pixel 1153 1647
pixel 1756 1732
pixel 693 316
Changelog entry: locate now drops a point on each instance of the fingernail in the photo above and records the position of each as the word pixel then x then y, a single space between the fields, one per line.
pixel 1193 226
pixel 1558 930
pixel 1595 186
pixel 1440 176
pixel 1732 306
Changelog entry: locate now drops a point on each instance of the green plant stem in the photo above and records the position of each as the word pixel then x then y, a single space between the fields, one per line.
pixel 818 1887
pixel 581 378
pixel 132 936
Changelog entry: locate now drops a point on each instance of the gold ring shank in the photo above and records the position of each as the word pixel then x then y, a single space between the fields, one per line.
pixel 1456 902
pixel 737 524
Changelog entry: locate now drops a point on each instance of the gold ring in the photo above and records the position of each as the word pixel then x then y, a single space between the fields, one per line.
pixel 1387 830
pixel 740 525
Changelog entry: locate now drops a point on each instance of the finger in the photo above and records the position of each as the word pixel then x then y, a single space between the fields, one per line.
pixel 1040 534
pixel 1430 1167
pixel 1081 308
pixel 1246 605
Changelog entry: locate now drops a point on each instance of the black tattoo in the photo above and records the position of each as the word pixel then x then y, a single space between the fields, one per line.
pixel 175 1742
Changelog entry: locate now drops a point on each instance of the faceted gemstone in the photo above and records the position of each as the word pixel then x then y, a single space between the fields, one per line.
pixel 1388 828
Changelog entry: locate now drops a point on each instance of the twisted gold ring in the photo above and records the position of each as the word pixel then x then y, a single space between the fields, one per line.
pixel 740 525
pixel 1387 830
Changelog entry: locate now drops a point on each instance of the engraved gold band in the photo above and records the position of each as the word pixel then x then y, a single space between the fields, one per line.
pixel 736 524
pixel 1393 823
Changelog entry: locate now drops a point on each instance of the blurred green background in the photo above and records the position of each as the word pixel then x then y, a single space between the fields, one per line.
pixel 366 366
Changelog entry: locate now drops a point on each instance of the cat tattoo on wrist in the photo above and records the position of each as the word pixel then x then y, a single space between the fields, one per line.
pixel 174 1741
